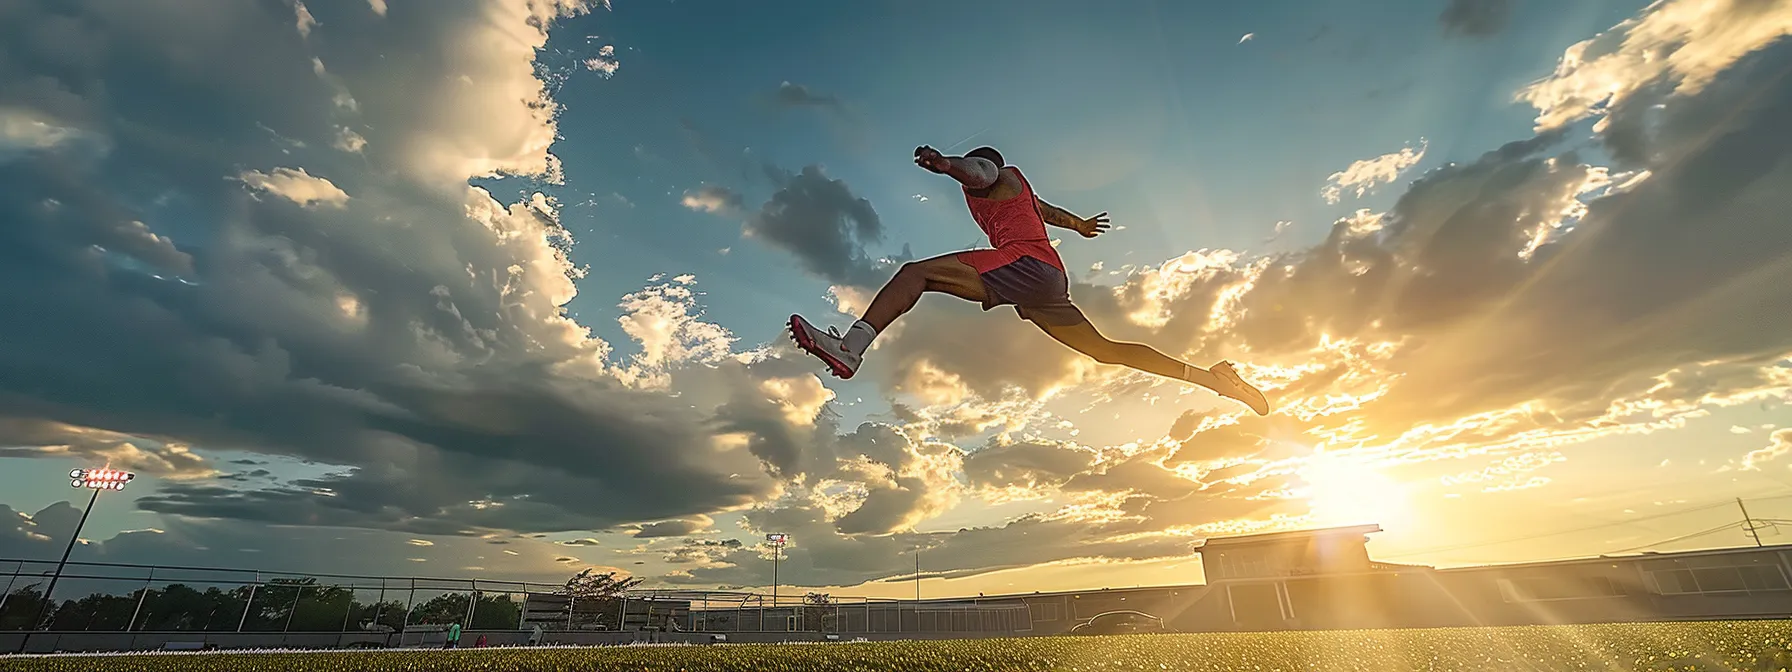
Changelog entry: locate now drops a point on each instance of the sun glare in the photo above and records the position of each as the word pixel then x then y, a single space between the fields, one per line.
pixel 1345 491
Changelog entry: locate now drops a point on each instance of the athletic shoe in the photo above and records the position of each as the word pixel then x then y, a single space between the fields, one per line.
pixel 828 346
pixel 1241 391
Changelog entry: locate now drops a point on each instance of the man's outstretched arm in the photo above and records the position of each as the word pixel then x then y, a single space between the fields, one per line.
pixel 1059 217
pixel 972 172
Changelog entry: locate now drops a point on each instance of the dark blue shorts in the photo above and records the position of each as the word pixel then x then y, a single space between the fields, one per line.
pixel 1038 291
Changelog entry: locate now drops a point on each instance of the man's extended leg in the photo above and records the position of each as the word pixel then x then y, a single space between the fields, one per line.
pixel 1084 338
pixel 842 352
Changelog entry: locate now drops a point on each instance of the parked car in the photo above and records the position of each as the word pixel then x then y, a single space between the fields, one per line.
pixel 1120 623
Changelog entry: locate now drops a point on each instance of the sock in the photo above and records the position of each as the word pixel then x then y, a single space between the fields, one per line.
pixel 858 338
pixel 1188 373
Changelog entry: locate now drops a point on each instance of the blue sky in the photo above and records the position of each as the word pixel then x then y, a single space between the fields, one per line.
pixel 382 342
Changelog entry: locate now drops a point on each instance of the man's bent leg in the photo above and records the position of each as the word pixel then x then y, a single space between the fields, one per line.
pixel 843 352
pixel 944 274
pixel 1083 337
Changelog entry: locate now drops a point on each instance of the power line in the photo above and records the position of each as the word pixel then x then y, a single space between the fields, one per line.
pixel 1683 537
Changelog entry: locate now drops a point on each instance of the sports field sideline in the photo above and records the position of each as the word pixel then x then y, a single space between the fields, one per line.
pixel 1729 646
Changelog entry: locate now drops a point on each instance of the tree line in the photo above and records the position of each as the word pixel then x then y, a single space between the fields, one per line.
pixel 289 605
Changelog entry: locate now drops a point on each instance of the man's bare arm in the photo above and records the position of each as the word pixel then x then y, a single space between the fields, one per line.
pixel 973 172
pixel 1057 216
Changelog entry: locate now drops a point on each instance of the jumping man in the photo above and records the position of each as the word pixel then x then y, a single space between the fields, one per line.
pixel 1022 269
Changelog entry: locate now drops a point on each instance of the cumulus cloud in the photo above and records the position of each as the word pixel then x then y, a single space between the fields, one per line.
pixel 673 528
pixel 297 186
pixel 1027 464
pixel 23 130
pixel 27 437
pixel 1675 47
pixel 604 63
pixel 667 324
pixel 713 198
pixel 1780 443
pixel 1475 18
pixel 1362 176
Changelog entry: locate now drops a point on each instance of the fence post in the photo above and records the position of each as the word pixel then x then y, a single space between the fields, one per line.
pixel 15 577
pixel 472 600
pixel 379 603
pixel 346 613
pixel 250 603
pixel 292 611
pixel 140 595
pixel 409 604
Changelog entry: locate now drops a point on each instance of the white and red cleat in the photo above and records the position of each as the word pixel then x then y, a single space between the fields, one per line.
pixel 828 346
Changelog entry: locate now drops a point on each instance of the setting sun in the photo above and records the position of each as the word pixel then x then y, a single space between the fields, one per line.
pixel 1342 490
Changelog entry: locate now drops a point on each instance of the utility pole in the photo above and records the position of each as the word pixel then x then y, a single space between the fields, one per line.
pixel 1748 523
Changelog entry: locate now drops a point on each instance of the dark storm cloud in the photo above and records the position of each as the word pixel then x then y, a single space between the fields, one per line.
pixel 1475 18
pixel 821 222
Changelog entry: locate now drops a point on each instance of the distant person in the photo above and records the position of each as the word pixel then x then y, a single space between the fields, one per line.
pixel 479 643
pixel 453 636
pixel 535 635
pixel 1023 269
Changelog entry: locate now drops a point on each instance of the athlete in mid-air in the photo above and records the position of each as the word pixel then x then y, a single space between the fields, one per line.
pixel 1022 269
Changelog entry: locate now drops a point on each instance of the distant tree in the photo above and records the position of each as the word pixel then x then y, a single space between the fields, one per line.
pixel 596 597
pixel 816 611
pixel 589 584
pixel 22 605
pixel 444 608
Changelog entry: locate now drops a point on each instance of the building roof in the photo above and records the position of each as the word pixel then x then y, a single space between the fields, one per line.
pixel 1625 557
pixel 1272 537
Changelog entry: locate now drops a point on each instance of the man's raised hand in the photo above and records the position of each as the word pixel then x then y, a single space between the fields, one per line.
pixel 931 159
pixel 1093 226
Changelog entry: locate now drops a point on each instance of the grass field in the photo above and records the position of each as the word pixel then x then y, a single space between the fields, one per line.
pixel 1728 646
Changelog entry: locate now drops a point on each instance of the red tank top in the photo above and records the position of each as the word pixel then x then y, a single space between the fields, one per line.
pixel 1014 225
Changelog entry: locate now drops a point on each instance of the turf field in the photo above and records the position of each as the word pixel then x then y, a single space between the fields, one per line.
pixel 1727 646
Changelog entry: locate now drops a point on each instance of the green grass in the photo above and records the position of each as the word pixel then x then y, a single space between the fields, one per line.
pixel 1728 646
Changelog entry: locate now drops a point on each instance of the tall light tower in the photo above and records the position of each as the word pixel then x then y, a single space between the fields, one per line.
pixel 95 480
pixel 777 540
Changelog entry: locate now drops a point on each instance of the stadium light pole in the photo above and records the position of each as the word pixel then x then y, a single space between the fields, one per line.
pixel 777 540
pixel 95 480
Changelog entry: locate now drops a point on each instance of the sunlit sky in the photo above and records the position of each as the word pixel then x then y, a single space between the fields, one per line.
pixel 415 287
